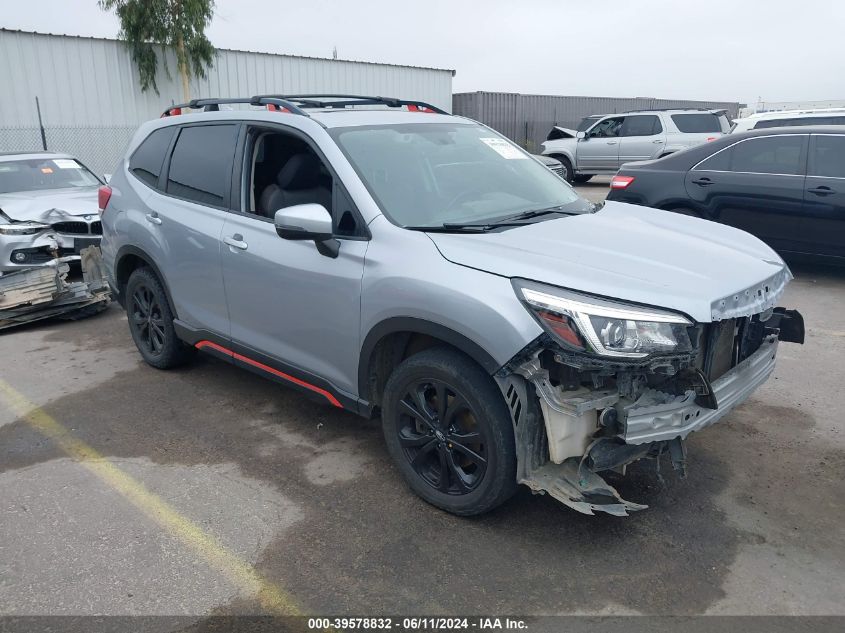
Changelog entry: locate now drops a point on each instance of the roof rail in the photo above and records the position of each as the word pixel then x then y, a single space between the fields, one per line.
pixel 670 109
pixel 344 101
pixel 213 104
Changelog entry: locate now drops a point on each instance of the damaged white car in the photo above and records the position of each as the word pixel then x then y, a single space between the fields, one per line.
pixel 48 209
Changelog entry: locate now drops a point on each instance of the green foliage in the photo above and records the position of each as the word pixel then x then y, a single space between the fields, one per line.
pixel 150 25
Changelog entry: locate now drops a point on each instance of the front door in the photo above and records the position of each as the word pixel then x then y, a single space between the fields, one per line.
pixel 824 196
pixel 756 185
pixel 643 138
pixel 598 151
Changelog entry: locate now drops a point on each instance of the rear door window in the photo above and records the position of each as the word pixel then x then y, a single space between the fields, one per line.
pixel 698 123
pixel 827 157
pixel 766 155
pixel 147 161
pixel 641 125
pixel 201 164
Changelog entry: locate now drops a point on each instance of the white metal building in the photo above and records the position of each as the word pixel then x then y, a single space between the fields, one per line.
pixel 91 101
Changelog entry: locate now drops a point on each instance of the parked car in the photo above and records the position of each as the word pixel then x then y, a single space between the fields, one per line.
pixel 422 267
pixel 614 139
pixel 787 118
pixel 784 185
pixel 48 207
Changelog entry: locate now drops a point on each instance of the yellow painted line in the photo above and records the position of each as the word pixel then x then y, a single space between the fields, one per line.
pixel 269 595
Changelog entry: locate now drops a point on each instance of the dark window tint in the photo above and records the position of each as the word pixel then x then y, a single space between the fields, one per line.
pixel 201 166
pixel 828 157
pixel 641 125
pixel 698 123
pixel 809 120
pixel 768 155
pixel 147 160
pixel 717 162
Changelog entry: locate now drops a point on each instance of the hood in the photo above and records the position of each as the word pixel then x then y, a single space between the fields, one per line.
pixel 548 161
pixel 572 133
pixel 705 270
pixel 47 205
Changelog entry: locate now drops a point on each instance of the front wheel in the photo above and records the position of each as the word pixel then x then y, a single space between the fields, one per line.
pixel 450 433
pixel 581 178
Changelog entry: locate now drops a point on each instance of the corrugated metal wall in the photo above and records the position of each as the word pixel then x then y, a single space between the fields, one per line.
pixel 91 101
pixel 527 119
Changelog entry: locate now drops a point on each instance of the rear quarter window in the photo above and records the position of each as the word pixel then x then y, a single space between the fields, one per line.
pixel 201 165
pixel 698 123
pixel 148 159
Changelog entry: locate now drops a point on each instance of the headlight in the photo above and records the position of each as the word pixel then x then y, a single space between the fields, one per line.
pixel 607 328
pixel 22 228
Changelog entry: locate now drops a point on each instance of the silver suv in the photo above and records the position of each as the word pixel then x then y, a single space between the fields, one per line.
pixel 422 267
pixel 603 143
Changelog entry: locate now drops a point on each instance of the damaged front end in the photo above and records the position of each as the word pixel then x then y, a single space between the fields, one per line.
pixel 45 292
pixel 611 383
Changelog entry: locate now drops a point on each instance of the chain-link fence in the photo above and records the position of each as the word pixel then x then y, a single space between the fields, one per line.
pixel 99 148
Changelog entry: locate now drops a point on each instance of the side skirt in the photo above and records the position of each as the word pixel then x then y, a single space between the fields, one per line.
pixel 264 365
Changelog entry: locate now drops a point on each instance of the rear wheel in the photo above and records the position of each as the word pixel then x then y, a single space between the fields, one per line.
pixel 449 431
pixel 151 321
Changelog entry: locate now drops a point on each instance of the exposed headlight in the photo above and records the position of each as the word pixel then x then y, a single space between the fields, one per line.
pixel 607 328
pixel 22 228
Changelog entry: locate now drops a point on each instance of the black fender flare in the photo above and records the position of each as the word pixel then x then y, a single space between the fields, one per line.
pixel 124 251
pixel 418 326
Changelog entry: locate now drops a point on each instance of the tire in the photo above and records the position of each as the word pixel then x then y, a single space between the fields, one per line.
pixel 151 321
pixel 568 174
pixel 581 178
pixel 440 395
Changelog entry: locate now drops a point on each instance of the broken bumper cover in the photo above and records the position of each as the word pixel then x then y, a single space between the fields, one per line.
pixel 656 417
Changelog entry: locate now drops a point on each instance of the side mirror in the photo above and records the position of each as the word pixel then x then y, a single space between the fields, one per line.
pixel 107 178
pixel 581 135
pixel 308 222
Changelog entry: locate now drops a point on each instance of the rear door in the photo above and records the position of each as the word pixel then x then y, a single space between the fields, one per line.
pixel 185 218
pixel 756 185
pixel 599 149
pixel 643 138
pixel 824 196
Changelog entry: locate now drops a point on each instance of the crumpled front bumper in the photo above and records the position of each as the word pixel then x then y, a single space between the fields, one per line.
pixel 48 244
pixel 656 416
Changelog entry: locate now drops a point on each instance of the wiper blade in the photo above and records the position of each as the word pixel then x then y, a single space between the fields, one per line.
pixel 533 213
pixel 449 227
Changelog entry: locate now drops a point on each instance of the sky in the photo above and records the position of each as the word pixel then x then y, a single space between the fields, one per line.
pixel 737 50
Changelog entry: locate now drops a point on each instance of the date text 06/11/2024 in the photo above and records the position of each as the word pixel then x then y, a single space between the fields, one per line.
pixel 416 623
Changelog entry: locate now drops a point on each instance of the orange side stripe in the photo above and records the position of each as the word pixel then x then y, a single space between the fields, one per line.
pixel 270 370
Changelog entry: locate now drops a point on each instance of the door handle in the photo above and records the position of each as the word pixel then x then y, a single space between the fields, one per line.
pixel 821 191
pixel 153 218
pixel 236 241
pixel 611 142
pixel 658 142
pixel 702 182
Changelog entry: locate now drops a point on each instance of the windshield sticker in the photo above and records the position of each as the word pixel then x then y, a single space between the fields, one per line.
pixel 503 148
pixel 66 163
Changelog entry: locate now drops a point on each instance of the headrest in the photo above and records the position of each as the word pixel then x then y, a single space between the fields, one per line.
pixel 302 171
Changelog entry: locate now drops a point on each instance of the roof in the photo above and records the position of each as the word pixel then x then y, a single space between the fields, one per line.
pixel 238 50
pixel 784 114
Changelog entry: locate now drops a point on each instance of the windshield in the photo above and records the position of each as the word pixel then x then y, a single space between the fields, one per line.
pixel 429 174
pixel 40 173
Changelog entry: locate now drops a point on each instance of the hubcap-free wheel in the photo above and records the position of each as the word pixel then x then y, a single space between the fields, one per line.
pixel 147 320
pixel 449 431
pixel 151 321
pixel 440 437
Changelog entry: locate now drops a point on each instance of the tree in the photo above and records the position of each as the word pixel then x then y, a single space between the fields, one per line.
pixel 149 24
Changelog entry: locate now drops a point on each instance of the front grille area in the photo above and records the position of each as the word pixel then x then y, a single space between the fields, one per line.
pixel 557 170
pixel 72 228
pixel 724 344
pixel 78 228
